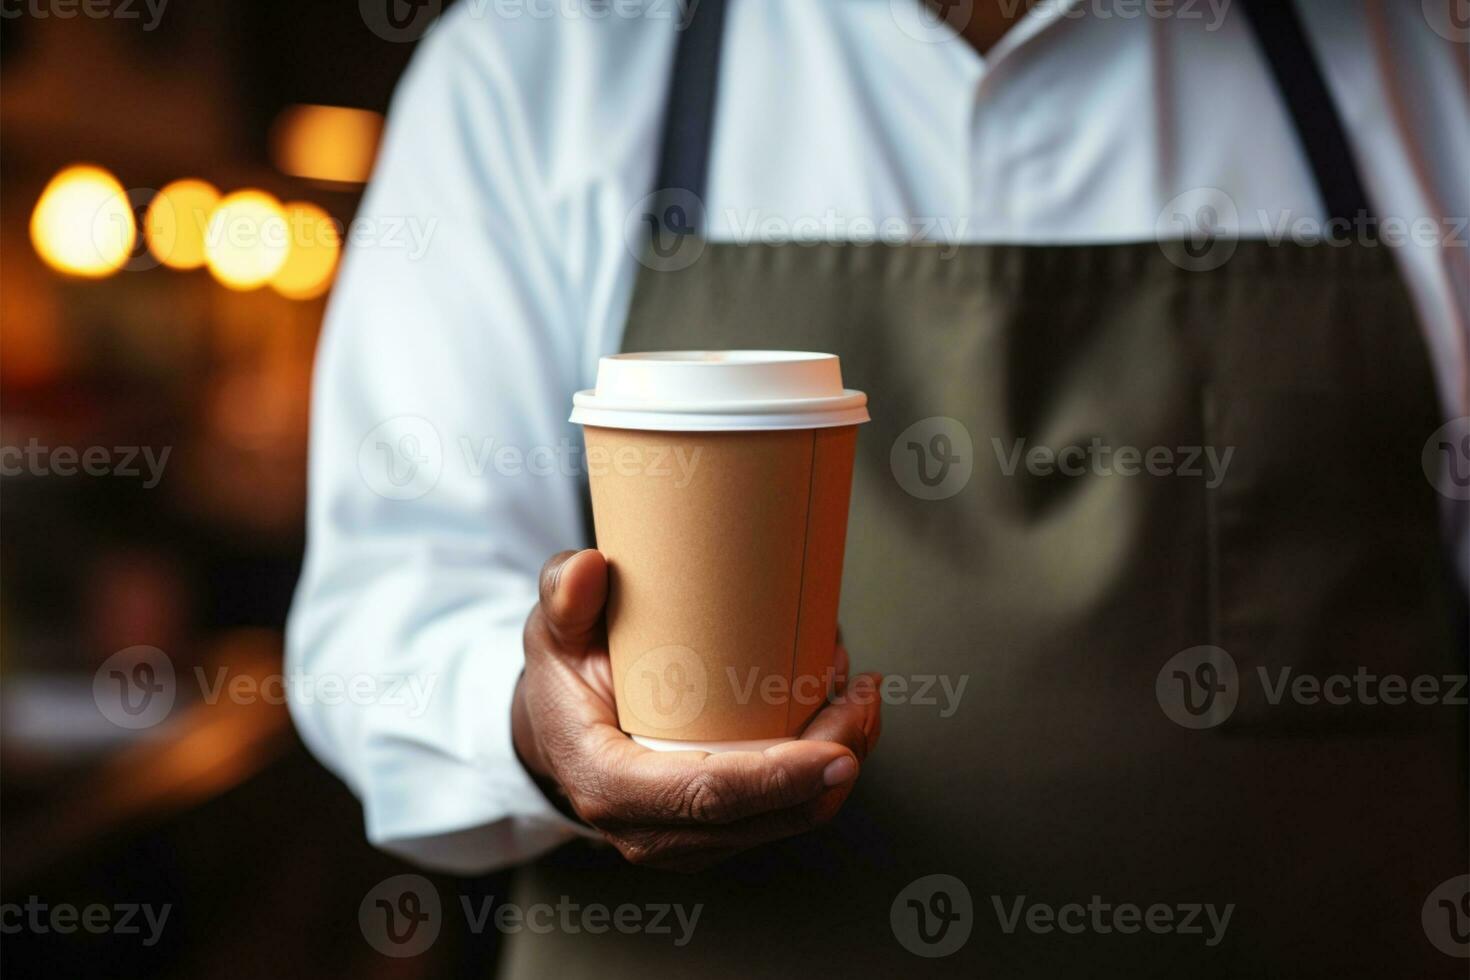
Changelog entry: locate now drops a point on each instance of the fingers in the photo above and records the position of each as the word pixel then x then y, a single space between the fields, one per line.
pixel 693 848
pixel 673 789
pixel 841 664
pixel 853 719
pixel 670 809
pixel 696 848
pixel 573 593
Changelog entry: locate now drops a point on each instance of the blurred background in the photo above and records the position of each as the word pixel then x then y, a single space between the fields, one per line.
pixel 176 181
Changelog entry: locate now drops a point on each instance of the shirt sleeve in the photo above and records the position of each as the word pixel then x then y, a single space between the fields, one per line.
pixel 442 473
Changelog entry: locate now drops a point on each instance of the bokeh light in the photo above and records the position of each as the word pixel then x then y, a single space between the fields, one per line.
pixel 247 239
pixel 315 245
pixel 324 142
pixel 83 223
pixel 176 221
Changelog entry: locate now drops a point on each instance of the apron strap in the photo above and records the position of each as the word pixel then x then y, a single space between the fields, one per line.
pixel 1318 123
pixel 689 116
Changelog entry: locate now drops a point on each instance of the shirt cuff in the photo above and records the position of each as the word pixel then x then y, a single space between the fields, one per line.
pixel 447 790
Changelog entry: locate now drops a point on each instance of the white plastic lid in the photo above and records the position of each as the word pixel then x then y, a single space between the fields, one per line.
pixel 715 390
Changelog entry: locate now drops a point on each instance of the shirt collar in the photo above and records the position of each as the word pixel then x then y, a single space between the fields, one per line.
pixel 1044 15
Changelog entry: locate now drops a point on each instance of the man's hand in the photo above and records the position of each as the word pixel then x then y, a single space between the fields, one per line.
pixel 682 810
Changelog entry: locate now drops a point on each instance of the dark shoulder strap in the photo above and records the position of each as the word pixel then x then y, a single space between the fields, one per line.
pixel 1279 30
pixel 683 163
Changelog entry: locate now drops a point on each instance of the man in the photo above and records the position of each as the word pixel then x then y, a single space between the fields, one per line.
pixel 1145 452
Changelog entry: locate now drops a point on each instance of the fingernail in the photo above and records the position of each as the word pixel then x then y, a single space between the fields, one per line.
pixel 839 771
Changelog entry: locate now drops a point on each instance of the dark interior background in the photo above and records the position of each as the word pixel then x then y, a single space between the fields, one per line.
pixel 219 811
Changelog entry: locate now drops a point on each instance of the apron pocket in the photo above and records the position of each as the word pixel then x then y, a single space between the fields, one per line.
pixel 1327 587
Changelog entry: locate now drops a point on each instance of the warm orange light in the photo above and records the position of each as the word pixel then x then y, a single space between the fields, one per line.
pixel 83 223
pixel 323 142
pixel 247 240
pixel 176 221
pixel 313 258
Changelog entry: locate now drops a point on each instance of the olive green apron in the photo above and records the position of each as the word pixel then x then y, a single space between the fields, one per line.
pixel 1081 758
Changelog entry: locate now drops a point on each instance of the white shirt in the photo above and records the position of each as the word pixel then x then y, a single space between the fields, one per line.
pixel 517 147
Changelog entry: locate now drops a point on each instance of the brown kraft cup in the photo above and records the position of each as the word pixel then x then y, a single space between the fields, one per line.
pixel 724 538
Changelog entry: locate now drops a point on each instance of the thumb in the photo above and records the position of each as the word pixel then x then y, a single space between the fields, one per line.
pixel 573 593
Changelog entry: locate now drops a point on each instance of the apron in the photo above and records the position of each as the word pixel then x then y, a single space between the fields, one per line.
pixel 1096 750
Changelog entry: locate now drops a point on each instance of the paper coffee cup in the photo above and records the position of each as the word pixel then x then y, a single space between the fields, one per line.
pixel 720 487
